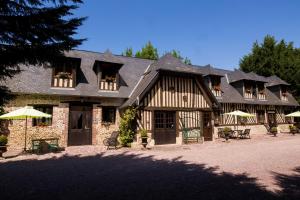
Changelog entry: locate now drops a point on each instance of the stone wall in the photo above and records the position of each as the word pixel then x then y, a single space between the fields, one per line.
pixel 59 128
pixel 101 130
pixel 15 129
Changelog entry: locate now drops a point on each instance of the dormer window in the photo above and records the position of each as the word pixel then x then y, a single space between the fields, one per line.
pixel 64 74
pixel 108 75
pixel 248 93
pixel 108 80
pixel 261 92
pixel 216 86
pixel 284 93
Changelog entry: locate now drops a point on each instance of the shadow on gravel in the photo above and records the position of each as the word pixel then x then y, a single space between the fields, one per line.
pixel 124 176
pixel 290 184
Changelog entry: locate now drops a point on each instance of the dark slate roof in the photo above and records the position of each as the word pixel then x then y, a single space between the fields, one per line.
pixel 38 79
pixel 275 80
pixel 107 56
pixel 238 75
pixel 257 77
pixel 136 75
pixel 231 95
pixel 170 63
pixel 165 63
pixel 209 70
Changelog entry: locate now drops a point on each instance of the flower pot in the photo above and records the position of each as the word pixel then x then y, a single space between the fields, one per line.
pixel 227 137
pixel 144 141
pixel 274 133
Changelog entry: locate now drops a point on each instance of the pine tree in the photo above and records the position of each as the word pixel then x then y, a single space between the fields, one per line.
pixel 148 52
pixel 275 58
pixel 177 54
pixel 128 52
pixel 35 32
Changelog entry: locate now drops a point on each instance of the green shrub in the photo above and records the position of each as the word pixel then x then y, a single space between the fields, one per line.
pixel 274 129
pixel 143 133
pixel 2 112
pixel 3 140
pixel 292 127
pixel 227 130
pixel 127 126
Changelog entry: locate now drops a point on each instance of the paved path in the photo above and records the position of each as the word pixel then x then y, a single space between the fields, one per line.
pixel 264 167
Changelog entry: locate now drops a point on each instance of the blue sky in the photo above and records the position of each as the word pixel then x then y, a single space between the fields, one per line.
pixel 216 32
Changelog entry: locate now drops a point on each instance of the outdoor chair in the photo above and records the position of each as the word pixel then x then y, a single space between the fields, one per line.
pixel 245 134
pixel 220 133
pixel 112 141
pixel 268 129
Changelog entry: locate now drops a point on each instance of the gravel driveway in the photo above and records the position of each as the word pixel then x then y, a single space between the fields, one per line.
pixel 263 167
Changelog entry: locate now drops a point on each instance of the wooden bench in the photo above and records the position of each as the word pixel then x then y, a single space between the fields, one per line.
pixel 45 145
pixel 191 135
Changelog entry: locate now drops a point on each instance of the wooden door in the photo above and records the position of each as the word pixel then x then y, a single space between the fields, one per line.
pixel 164 127
pixel 80 125
pixel 207 127
pixel 272 119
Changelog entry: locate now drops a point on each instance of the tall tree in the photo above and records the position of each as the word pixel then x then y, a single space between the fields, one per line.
pixel 275 58
pixel 35 32
pixel 177 54
pixel 148 52
pixel 128 52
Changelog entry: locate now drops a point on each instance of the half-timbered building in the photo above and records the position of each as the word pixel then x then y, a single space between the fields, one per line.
pixel 87 92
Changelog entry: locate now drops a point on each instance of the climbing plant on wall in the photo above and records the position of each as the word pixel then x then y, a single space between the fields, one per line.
pixel 127 126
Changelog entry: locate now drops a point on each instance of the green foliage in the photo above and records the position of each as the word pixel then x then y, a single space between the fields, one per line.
pixel 143 133
pixel 128 52
pixel 3 140
pixel 2 110
pixel 148 52
pixel 227 130
pixel 177 54
pixel 127 126
pixel 292 127
pixel 35 32
pixel 275 58
pixel 274 130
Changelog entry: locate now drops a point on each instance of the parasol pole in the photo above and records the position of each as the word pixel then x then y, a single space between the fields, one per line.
pixel 25 133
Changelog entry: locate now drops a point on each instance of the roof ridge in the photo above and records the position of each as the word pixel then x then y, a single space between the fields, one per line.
pixel 97 52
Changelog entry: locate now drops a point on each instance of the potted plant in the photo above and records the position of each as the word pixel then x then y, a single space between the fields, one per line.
pixel 144 137
pixel 274 131
pixel 227 131
pixel 3 143
pixel 293 129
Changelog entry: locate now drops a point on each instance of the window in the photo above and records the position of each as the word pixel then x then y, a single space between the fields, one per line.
pixel 216 86
pixel 108 114
pixel 63 75
pixel 43 121
pixel 260 116
pixel 164 120
pixel 109 77
pixel 248 90
pixel 284 93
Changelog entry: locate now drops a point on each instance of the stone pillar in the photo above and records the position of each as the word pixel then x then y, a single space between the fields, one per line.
pixel 97 112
